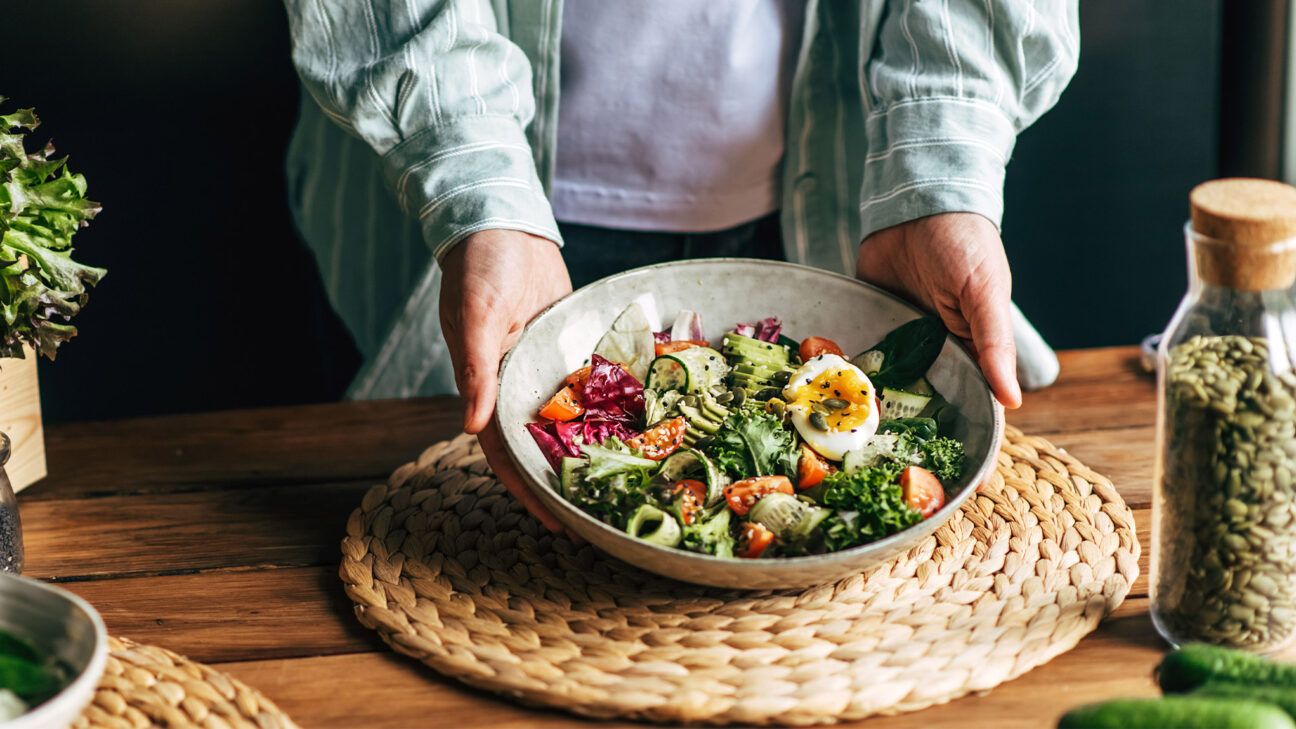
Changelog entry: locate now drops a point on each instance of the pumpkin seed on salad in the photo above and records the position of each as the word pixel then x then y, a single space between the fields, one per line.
pixel 759 447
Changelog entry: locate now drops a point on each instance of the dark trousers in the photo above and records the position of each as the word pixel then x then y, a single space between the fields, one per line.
pixel 593 253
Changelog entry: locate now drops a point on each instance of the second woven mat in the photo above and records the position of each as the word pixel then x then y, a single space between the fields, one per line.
pixel 449 569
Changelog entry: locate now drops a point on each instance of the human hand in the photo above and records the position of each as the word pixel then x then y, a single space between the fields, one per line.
pixel 493 283
pixel 953 264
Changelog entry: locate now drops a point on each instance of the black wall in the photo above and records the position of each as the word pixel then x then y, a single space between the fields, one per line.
pixel 178 112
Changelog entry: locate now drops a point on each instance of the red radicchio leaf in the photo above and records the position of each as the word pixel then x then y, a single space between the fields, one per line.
pixel 552 448
pixel 662 337
pixel 611 393
pixel 745 330
pixel 767 330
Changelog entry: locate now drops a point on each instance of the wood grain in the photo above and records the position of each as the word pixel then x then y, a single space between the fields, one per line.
pixel 20 418
pixel 188 531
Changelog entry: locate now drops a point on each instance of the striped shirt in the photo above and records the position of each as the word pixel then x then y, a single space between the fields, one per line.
pixel 424 121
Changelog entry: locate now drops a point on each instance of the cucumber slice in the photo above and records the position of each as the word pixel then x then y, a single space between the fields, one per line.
pixel 805 528
pixel 780 513
pixel 572 473
pixel 691 463
pixel 654 525
pixel 870 362
pixel 920 387
pixel 696 369
pixel 901 404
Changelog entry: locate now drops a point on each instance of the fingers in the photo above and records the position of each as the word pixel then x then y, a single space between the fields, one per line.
pixel 482 336
pixel 988 315
pixel 506 472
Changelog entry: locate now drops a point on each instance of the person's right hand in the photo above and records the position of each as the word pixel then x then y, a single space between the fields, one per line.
pixel 493 283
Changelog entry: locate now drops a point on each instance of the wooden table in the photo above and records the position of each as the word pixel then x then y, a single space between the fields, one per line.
pixel 216 535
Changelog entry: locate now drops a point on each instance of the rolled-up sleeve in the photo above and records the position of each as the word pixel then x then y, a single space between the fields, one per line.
pixel 948 87
pixel 440 96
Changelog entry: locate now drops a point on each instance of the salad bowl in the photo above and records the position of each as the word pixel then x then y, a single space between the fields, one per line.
pixel 724 291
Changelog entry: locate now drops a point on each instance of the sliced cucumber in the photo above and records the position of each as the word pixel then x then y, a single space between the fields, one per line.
pixel 920 387
pixel 901 404
pixel 779 512
pixel 572 473
pixel 870 362
pixel 696 369
pixel 692 463
pixel 805 529
pixel 880 446
pixel 654 525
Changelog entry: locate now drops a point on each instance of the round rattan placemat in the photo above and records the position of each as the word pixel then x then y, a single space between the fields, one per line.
pixel 449 570
pixel 147 686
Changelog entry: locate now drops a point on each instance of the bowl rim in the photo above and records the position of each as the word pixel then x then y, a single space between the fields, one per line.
pixel 511 441
pixel 55 706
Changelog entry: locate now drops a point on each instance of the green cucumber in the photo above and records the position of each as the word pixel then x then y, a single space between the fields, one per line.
pixel 870 362
pixel 654 525
pixel 779 512
pixel 692 463
pixel 1195 664
pixel 572 472
pixel 1280 696
pixel 1177 712
pixel 901 404
pixel 696 369
pixel 920 386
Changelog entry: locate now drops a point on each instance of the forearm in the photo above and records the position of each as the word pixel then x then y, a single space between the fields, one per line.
pixel 440 96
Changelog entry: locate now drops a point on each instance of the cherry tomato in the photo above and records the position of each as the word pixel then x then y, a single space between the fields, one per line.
pixel 565 405
pixel 812 347
pixel 690 495
pixel 922 490
pixel 661 440
pixel 678 345
pixel 812 469
pixel 743 495
pixel 755 540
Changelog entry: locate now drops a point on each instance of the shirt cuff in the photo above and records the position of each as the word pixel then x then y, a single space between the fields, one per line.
pixel 469 175
pixel 934 155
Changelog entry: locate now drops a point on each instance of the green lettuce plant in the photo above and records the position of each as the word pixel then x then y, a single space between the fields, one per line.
pixel 42 205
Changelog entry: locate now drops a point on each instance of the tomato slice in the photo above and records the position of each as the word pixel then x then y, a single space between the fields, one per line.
pixel 812 347
pixel 922 490
pixel 743 495
pixel 755 540
pixel 678 345
pixel 812 469
pixel 690 495
pixel 661 440
pixel 564 405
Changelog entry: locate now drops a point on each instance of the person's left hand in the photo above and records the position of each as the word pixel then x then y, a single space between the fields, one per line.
pixel 953 264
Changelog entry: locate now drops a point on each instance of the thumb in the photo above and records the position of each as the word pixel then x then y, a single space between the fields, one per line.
pixel 478 373
pixel 989 319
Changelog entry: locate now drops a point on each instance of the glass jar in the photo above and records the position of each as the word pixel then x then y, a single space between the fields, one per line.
pixel 1224 501
pixel 11 541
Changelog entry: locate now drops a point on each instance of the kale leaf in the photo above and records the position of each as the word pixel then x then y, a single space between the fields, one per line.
pixel 753 442
pixel 868 505
pixel 943 457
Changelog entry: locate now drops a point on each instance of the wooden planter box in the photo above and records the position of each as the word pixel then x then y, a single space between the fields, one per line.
pixel 20 418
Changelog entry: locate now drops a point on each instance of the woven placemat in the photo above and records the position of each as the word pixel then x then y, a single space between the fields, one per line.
pixel 448 569
pixel 147 686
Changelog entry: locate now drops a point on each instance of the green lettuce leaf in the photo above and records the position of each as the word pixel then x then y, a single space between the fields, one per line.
pixel 42 206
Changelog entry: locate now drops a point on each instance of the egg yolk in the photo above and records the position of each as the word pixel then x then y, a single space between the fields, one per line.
pixel 842 385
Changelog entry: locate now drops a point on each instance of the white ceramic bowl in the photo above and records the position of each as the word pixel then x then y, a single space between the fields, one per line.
pixel 725 291
pixel 59 623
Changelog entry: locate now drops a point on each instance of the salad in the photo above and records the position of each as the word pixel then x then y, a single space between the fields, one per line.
pixel 26 678
pixel 760 447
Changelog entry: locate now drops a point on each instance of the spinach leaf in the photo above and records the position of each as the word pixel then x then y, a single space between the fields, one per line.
pixel 909 351
pixel 919 428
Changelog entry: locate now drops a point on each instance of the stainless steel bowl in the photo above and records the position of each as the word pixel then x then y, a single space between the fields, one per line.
pixel 725 291
pixel 63 625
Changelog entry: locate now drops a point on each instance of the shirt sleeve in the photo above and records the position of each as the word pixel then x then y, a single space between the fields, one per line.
pixel 949 86
pixel 440 96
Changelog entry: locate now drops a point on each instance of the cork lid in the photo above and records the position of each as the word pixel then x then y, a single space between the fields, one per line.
pixel 1245 218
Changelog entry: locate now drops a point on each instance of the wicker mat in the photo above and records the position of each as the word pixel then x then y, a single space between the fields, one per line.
pixel 449 570
pixel 147 686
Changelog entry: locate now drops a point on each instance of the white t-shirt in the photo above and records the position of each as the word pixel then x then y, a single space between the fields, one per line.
pixel 671 113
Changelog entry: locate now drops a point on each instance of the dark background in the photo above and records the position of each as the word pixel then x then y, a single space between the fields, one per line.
pixel 178 112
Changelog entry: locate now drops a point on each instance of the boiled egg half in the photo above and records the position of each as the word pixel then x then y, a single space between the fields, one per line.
pixel 831 403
